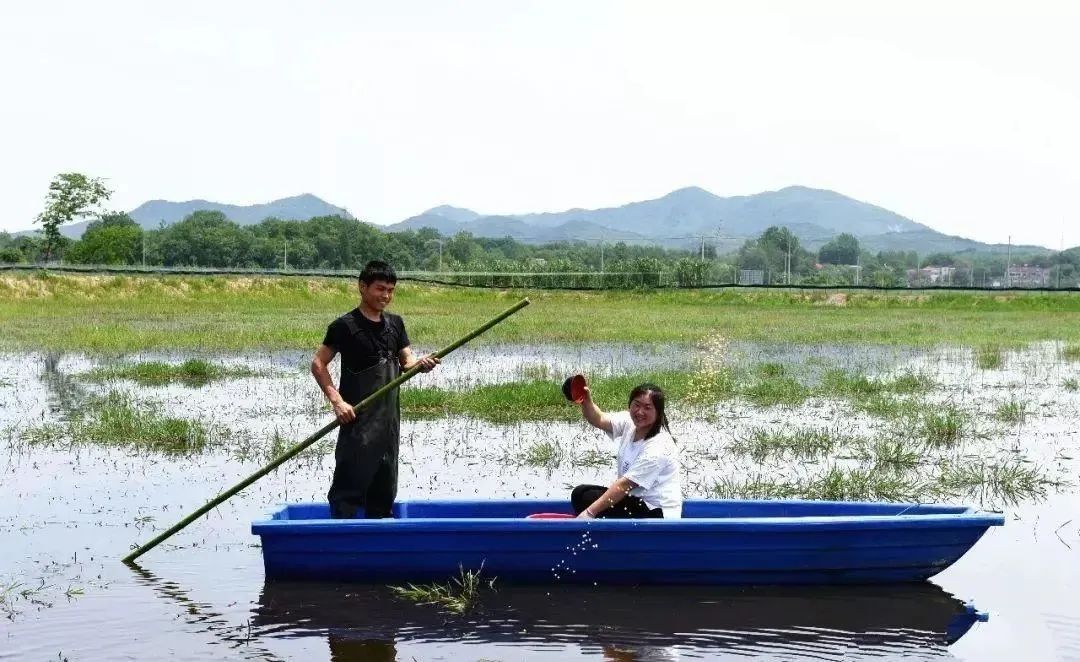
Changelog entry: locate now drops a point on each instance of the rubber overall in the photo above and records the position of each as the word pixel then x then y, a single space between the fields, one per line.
pixel 365 474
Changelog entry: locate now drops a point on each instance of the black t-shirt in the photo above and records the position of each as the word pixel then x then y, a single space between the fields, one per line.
pixel 362 349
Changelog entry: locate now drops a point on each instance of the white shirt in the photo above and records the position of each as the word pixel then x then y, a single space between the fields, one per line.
pixel 653 464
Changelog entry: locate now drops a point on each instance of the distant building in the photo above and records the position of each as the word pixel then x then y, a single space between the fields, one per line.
pixel 932 276
pixel 1022 275
pixel 751 277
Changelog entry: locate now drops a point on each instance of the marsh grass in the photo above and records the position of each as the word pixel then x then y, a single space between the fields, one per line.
pixel 890 454
pixel 988 357
pixel 1070 384
pixel 593 458
pixel 11 592
pixel 762 443
pixel 530 401
pixel 119 314
pixel 193 372
pixel 887 406
pixel 944 426
pixel 836 484
pixel 536 372
pixel 541 454
pixel 1013 411
pixel 1070 352
pixel 770 370
pixel 858 386
pixel 458 596
pixel 862 484
pixel 116 419
pixel 708 385
pixel 779 390
pixel 1009 482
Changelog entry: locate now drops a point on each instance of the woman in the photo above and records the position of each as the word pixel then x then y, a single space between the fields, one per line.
pixel 649 482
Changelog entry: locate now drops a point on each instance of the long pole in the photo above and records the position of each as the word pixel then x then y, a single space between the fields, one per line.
pixel 298 448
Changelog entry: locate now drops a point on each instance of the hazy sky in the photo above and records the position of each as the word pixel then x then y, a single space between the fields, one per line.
pixel 961 115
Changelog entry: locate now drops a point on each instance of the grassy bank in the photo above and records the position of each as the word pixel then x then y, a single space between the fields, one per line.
pixel 127 313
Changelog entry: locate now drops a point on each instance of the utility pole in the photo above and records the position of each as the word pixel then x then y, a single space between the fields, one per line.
pixel 144 248
pixel 1008 266
pixel 1061 247
pixel 601 258
pixel 286 253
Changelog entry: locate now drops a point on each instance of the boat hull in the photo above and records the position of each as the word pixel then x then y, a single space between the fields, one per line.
pixel 717 542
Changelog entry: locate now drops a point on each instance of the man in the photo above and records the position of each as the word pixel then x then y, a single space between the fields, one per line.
pixel 374 349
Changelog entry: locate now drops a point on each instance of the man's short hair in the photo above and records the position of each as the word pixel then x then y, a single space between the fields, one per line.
pixel 378 270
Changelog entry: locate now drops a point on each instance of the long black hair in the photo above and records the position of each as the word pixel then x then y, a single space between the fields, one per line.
pixel 656 395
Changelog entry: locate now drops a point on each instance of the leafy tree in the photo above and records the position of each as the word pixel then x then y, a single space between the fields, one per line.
pixel 113 239
pixel 205 239
pixel 939 260
pixel 71 195
pixel 842 249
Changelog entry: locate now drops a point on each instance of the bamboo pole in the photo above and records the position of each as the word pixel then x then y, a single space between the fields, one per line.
pixel 298 448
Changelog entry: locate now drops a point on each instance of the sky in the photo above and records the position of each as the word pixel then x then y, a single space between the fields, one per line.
pixel 964 116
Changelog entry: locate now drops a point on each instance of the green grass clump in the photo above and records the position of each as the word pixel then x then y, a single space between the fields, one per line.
pixel 594 458
pixel 193 372
pixel 988 357
pixel 1013 411
pixel 858 386
pixel 887 406
pixel 1070 384
pixel 754 488
pixel 778 390
pixel 837 484
pixel 807 443
pixel 862 484
pixel 117 420
pixel 458 596
pixel 890 454
pixel 943 427
pixel 770 370
pixel 541 454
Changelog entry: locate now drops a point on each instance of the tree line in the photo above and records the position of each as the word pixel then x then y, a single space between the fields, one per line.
pixel 209 239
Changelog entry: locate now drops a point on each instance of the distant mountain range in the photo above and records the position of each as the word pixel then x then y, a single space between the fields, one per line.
pixel 678 219
pixel 150 215
pixel 682 217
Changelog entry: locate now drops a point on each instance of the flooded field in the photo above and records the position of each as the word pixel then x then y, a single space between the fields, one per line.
pixel 96 456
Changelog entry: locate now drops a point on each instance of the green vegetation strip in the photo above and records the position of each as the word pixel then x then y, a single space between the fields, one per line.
pixel 193 372
pixel 116 419
pixel 114 314
pixel 540 400
pixel 1008 482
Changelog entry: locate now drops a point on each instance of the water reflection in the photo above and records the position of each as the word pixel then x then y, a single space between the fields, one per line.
pixel 64 392
pixel 654 623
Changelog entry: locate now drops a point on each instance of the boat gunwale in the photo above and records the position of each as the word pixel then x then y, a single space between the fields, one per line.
pixel 969 517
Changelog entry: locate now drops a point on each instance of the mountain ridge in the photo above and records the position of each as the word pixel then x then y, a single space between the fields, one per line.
pixel 682 218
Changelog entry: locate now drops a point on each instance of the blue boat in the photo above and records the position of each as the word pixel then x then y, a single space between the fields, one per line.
pixel 716 542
